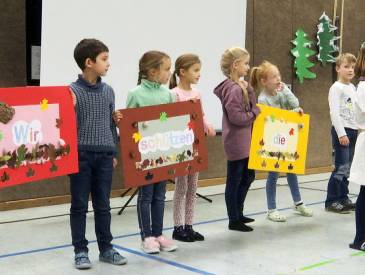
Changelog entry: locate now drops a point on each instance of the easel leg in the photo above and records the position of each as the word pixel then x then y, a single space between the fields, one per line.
pixel 128 201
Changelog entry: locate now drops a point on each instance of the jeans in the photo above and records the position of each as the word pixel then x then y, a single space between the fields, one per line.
pixel 271 188
pixel 239 179
pixel 337 190
pixel 150 209
pixel 360 217
pixel 95 177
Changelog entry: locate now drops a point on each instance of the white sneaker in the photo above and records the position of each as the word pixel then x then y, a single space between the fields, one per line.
pixel 303 210
pixel 275 216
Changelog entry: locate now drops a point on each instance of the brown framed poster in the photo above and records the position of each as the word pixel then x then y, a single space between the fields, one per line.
pixel 162 142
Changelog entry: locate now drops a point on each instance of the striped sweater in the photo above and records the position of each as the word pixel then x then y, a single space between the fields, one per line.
pixel 95 103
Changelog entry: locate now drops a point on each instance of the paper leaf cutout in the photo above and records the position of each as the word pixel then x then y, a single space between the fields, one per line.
pixel 6 113
pixel 137 137
pixel 44 104
pixel 1 136
pixel 163 116
pixel 326 40
pixel 191 125
pixel 30 172
pixel 302 52
pixel 53 168
pixel 5 177
pixel 58 122
pixel 291 132
pixel 149 176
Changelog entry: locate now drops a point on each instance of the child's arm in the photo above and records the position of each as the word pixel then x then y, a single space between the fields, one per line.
pixel 334 104
pixel 291 100
pixel 233 104
pixel 113 127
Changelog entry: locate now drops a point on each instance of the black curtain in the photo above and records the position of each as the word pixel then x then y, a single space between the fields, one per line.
pixel 33 34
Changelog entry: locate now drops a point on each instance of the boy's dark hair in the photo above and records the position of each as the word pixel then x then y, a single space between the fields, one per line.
pixel 88 48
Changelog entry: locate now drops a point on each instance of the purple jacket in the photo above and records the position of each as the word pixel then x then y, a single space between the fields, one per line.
pixel 237 119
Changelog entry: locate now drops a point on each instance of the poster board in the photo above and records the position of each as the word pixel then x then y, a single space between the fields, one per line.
pixel 37 134
pixel 279 141
pixel 162 142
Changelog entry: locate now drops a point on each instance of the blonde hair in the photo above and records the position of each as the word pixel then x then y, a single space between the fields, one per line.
pixel 260 72
pixel 345 58
pixel 150 60
pixel 228 58
pixel 360 63
pixel 184 62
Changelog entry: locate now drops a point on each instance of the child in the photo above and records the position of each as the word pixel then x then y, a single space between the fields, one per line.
pixel 154 70
pixel 187 68
pixel 344 133
pixel 266 79
pixel 239 112
pixel 358 164
pixel 97 139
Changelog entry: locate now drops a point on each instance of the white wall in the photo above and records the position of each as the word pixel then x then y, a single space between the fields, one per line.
pixel 131 27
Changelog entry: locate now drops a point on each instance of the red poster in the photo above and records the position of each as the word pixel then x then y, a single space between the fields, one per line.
pixel 38 137
pixel 162 142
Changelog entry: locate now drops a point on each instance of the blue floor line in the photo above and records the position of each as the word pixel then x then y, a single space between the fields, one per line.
pixel 137 234
pixel 159 259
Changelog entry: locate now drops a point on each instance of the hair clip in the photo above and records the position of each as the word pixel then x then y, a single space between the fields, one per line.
pixel 362 45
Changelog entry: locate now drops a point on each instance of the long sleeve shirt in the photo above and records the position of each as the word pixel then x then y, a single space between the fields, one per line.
pixel 341 100
pixel 182 95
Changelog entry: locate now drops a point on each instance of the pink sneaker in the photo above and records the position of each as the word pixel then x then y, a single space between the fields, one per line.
pixel 150 245
pixel 166 244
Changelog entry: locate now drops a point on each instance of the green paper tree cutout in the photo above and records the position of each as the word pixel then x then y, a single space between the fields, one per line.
pixel 326 40
pixel 301 53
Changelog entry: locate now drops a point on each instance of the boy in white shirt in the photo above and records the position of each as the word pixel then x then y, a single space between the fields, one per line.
pixel 344 134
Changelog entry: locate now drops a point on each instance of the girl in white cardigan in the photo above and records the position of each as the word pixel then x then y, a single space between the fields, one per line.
pixel 358 164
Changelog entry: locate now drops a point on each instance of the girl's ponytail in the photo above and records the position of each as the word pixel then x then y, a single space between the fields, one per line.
pixel 173 81
pixel 254 78
pixel 139 77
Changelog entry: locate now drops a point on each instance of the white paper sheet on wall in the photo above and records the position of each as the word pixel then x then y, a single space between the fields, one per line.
pixel 131 27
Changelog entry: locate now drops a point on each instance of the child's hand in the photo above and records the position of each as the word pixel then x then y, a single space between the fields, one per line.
pixel 115 162
pixel 280 87
pixel 344 141
pixel 300 111
pixel 211 132
pixel 73 97
pixel 117 116
pixel 194 99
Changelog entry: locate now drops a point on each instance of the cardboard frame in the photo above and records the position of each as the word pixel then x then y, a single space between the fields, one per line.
pixel 25 161
pixel 134 170
pixel 284 129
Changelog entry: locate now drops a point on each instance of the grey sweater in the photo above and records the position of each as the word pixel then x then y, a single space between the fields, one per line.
pixel 96 130
pixel 284 99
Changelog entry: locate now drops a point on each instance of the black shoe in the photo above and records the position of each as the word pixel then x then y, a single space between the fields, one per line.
pixel 349 205
pixel 180 234
pixel 360 247
pixel 239 226
pixel 339 208
pixel 196 236
pixel 245 219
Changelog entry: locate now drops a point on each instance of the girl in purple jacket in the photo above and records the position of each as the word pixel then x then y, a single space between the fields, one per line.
pixel 239 112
